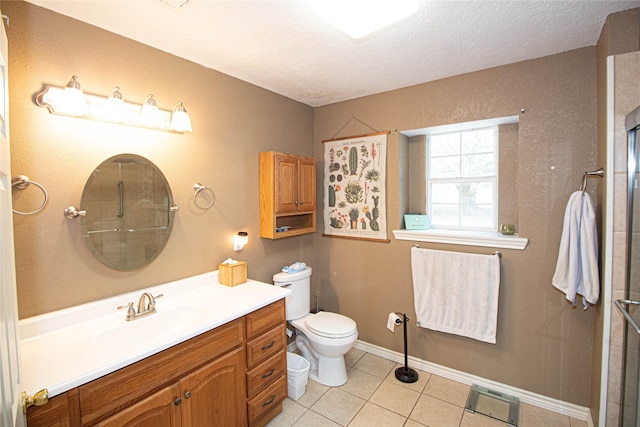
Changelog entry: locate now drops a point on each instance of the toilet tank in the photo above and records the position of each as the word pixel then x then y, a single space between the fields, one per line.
pixel 299 302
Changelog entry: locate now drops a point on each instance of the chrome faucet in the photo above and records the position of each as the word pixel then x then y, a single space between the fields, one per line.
pixel 143 309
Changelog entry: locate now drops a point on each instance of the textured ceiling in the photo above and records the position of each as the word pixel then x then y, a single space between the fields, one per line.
pixel 284 47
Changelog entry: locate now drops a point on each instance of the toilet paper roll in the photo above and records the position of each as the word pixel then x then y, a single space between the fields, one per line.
pixel 391 321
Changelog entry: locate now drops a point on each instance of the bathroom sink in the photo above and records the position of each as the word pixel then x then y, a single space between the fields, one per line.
pixel 149 329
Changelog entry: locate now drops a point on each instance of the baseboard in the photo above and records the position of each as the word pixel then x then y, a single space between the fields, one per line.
pixel 544 402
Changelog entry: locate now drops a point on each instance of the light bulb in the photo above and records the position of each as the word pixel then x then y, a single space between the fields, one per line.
pixel 149 113
pixel 180 120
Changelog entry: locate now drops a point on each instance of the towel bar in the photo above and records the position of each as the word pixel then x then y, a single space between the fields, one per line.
pixel 498 253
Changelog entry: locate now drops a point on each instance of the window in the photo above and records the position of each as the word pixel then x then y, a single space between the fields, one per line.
pixel 462 179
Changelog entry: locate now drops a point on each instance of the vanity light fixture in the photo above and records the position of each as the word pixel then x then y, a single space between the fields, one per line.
pixel 358 18
pixel 240 240
pixel 180 121
pixel 72 101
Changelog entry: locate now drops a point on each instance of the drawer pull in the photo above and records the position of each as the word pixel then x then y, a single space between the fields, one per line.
pixel 187 395
pixel 267 347
pixel 270 373
pixel 270 401
pixel 177 401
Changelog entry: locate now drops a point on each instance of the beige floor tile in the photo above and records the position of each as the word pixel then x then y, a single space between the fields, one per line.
pixel 437 413
pixel 447 390
pixel 352 357
pixel 291 412
pixel 423 378
pixel 360 383
pixel 577 423
pixel 312 419
pixel 373 415
pixel 413 423
pixel 532 416
pixel 395 398
pixel 313 392
pixel 374 365
pixel 478 420
pixel 339 406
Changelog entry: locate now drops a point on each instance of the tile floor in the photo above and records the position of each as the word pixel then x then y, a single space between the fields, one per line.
pixel 373 397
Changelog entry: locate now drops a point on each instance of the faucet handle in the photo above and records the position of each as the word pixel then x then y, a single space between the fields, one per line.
pixel 152 302
pixel 131 312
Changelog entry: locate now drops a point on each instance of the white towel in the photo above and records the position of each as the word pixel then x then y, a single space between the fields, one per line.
pixel 577 266
pixel 456 293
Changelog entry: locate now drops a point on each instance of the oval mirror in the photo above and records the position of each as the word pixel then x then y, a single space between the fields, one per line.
pixel 129 212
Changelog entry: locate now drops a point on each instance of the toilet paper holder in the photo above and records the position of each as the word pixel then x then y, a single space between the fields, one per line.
pixel 405 373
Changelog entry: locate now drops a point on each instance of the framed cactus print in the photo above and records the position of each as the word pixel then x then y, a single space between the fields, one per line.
pixel 354 187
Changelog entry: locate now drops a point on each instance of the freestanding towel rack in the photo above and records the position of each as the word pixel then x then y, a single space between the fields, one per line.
pixel 597 173
pixel 405 373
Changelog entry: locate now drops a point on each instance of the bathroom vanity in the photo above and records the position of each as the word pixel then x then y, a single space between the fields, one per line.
pixel 217 358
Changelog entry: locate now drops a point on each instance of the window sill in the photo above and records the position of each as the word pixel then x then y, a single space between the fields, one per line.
pixel 470 238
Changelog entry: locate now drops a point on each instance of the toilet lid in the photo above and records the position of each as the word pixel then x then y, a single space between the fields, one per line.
pixel 331 325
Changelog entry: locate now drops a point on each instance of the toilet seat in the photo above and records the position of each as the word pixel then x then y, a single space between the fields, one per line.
pixel 331 325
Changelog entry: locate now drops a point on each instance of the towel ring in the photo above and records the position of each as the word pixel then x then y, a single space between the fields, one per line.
pixel 21 182
pixel 198 188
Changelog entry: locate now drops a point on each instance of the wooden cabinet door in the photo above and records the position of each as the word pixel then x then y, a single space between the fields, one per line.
pixel 161 409
pixel 286 184
pixel 307 185
pixel 215 395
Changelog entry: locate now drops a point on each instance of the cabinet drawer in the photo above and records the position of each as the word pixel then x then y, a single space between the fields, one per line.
pixel 266 373
pixel 109 394
pixel 267 400
pixel 265 346
pixel 265 318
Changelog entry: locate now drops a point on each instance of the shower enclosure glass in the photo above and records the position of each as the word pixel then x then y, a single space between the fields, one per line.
pixel 630 306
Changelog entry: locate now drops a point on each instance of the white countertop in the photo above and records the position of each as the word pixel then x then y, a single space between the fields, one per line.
pixel 67 348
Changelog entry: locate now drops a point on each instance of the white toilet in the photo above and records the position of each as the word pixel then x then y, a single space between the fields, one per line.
pixel 323 338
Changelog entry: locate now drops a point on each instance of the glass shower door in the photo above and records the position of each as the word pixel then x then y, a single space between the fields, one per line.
pixel 630 306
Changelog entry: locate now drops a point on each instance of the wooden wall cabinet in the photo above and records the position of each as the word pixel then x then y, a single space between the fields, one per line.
pixel 233 375
pixel 287 195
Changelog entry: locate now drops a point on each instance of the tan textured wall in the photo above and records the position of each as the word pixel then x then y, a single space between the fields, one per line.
pixel 543 344
pixel 232 122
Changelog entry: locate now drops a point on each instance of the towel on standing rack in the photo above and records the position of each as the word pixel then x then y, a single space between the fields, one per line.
pixel 577 266
pixel 456 293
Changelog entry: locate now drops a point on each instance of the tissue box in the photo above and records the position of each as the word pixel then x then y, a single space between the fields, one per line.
pixel 232 274
pixel 416 222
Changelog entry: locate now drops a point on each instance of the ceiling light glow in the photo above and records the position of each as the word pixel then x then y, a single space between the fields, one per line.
pixel 358 18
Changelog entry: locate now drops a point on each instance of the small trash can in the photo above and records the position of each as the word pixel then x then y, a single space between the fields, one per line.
pixel 298 374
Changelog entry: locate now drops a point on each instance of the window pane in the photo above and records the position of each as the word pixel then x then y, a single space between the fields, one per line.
pixel 461 179
pixel 445 193
pixel 444 145
pixel 445 215
pixel 477 165
pixel 478 141
pixel 445 167
pixel 479 216
pixel 473 193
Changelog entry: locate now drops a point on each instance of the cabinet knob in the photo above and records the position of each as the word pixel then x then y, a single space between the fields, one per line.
pixel 187 395
pixel 177 401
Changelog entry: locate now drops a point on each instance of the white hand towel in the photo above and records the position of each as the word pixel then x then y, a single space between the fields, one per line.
pixel 577 266
pixel 456 293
